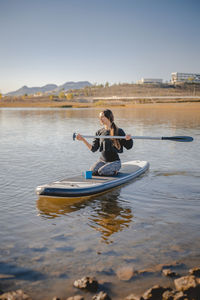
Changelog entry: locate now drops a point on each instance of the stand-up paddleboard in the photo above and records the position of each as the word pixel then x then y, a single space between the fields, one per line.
pixel 78 186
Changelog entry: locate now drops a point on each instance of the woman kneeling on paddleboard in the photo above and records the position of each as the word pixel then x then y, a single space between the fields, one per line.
pixel 109 162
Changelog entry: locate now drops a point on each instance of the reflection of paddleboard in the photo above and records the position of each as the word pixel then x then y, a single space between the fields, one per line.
pixel 52 207
pixel 78 186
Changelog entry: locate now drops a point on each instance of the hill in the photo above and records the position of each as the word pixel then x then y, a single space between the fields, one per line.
pixel 49 88
pixel 137 90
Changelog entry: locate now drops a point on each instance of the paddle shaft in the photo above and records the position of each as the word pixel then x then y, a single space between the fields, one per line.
pixel 120 137
pixel 170 138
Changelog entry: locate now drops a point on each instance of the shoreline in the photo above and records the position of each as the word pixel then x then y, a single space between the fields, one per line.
pixel 178 284
pixel 84 103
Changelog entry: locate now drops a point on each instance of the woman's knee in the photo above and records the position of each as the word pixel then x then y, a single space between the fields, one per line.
pixel 110 169
pixel 106 172
pixel 94 168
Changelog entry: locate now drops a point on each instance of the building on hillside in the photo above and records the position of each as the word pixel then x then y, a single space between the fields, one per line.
pixel 38 94
pixel 149 80
pixel 177 77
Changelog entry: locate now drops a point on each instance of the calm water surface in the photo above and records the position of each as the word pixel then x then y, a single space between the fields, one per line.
pixel 46 245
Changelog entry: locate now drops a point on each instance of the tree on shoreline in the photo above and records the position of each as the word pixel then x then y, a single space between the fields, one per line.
pixel 61 95
pixel 69 96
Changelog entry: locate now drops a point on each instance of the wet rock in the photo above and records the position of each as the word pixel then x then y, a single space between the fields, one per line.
pixel 180 296
pixel 172 264
pixel 146 271
pixel 15 295
pixel 190 285
pixel 174 295
pixel 101 296
pixel 169 273
pixel 132 297
pixel 56 298
pixel 88 283
pixel 158 268
pixel 154 293
pixel 125 273
pixel 149 271
pixel 76 297
pixel 168 295
pixel 195 272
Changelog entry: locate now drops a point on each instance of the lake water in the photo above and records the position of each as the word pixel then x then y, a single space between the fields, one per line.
pixel 46 245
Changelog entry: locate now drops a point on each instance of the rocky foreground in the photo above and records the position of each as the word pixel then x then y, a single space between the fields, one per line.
pixel 185 288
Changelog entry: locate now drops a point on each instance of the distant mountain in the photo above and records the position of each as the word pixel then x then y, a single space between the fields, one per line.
pixel 49 88
pixel 70 85
pixel 32 90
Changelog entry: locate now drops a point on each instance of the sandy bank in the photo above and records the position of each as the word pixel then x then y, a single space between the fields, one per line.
pixel 89 103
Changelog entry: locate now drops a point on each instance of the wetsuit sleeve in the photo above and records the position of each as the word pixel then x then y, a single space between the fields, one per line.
pixel 95 143
pixel 124 143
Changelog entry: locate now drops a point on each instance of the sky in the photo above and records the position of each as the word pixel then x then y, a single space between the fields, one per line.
pixel 115 41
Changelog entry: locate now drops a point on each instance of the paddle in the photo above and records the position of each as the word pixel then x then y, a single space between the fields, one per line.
pixel 169 138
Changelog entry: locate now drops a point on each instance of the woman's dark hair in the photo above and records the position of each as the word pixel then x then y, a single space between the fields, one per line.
pixel 114 129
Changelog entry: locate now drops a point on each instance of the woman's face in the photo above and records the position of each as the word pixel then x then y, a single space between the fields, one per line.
pixel 104 120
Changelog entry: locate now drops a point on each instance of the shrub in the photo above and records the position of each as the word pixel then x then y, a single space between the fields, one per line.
pixel 69 96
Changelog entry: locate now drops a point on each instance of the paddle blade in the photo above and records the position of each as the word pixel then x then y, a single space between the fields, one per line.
pixel 178 138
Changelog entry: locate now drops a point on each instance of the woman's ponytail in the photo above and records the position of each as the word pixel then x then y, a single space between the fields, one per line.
pixel 114 129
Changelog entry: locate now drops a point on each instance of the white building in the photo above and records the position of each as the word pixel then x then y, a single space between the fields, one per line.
pixel 185 77
pixel 149 80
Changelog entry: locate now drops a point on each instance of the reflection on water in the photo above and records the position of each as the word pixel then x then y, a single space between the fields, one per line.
pixel 108 216
pixel 51 208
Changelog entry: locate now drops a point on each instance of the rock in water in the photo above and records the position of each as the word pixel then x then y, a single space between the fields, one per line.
pixel 169 273
pixel 190 285
pixel 88 283
pixel 125 273
pixel 101 296
pixel 154 293
pixel 15 295
pixel 195 272
pixel 132 297
pixel 76 297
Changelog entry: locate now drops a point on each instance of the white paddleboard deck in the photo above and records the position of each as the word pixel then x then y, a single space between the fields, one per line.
pixel 78 186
